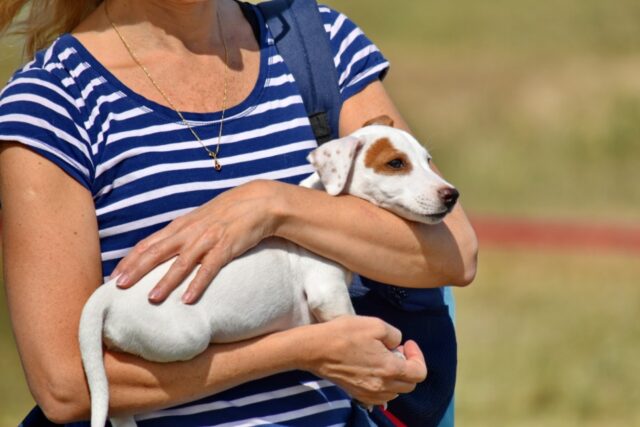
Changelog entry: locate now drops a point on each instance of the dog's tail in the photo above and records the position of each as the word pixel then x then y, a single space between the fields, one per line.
pixel 90 336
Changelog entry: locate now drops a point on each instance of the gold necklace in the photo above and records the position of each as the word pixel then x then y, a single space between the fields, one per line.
pixel 210 153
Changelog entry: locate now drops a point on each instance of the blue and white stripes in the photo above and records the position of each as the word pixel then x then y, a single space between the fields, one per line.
pixel 357 60
pixel 144 169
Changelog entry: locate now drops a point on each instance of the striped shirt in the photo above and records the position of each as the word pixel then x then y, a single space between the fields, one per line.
pixel 143 169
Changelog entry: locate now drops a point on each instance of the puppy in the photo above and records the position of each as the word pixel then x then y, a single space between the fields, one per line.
pixel 274 286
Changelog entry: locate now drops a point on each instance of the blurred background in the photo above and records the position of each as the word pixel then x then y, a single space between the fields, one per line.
pixel 532 108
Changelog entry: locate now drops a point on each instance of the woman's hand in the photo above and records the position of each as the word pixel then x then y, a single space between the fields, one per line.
pixel 355 352
pixel 211 235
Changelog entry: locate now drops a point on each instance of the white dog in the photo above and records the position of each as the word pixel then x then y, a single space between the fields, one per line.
pixel 274 286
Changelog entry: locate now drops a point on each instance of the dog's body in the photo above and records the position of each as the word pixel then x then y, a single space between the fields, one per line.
pixel 276 285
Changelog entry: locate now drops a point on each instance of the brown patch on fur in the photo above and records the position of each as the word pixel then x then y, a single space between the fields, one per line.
pixel 382 152
pixel 380 120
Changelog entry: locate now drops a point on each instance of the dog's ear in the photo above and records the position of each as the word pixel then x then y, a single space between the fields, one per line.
pixel 380 120
pixel 333 162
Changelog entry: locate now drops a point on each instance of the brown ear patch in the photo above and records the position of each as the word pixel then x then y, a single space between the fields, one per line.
pixel 385 159
pixel 380 120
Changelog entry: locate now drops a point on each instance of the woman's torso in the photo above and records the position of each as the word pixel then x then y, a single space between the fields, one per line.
pixel 144 168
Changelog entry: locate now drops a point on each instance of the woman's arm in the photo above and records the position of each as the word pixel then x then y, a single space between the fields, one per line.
pixel 341 228
pixel 51 261
pixel 398 251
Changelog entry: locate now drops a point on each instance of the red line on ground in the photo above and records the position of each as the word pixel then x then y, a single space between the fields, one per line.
pixel 549 234
pixel 545 234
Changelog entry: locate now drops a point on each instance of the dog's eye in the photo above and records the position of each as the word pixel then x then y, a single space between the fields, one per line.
pixel 396 164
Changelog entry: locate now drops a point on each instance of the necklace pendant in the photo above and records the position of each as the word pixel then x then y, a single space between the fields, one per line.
pixel 216 163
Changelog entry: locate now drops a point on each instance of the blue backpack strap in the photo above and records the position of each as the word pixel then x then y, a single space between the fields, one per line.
pixel 299 34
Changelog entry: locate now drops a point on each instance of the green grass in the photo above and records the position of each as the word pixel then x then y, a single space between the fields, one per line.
pixel 15 400
pixel 530 108
pixel 550 339
pixel 516 29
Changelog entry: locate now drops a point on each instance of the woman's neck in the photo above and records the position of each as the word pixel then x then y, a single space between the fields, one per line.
pixel 170 24
pixel 187 59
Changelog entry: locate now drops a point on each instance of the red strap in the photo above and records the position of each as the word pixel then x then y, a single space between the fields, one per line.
pixel 396 422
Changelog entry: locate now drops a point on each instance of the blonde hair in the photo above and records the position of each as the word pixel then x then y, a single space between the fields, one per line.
pixel 44 20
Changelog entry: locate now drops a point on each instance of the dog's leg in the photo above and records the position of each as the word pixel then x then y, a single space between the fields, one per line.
pixel 327 292
pixel 328 300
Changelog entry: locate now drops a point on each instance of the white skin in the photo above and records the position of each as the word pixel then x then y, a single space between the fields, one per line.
pixel 51 251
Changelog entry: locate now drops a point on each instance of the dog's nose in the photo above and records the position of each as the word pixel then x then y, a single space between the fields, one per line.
pixel 449 196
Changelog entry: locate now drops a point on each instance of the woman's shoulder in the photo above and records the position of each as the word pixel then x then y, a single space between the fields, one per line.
pixel 336 23
pixel 51 70
pixel 357 58
pixel 42 107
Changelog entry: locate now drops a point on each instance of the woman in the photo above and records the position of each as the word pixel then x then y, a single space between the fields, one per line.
pixel 100 159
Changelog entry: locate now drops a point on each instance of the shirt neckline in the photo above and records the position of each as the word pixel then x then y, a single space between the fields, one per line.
pixel 241 109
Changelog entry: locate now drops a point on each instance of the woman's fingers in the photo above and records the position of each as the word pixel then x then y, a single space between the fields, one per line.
pixel 416 367
pixel 211 265
pixel 177 273
pixel 207 249
pixel 402 387
pixel 142 259
pixel 143 246
pixel 379 392
pixel 192 247
pixel 391 336
pixel 356 353
pixel 211 235
pixel 211 250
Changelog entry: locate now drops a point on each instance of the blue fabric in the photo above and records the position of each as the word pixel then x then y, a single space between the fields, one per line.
pixel 450 301
pixel 36 418
pixel 299 34
pixel 432 328
pixel 448 420
pixel 409 299
pixel 436 403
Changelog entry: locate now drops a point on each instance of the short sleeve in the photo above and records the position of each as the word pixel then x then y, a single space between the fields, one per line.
pixel 37 111
pixel 358 61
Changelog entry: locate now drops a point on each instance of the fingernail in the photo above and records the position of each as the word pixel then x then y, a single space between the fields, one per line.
pixel 187 298
pixel 123 280
pixel 154 295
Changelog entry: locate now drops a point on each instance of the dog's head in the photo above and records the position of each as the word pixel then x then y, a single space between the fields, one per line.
pixel 388 167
